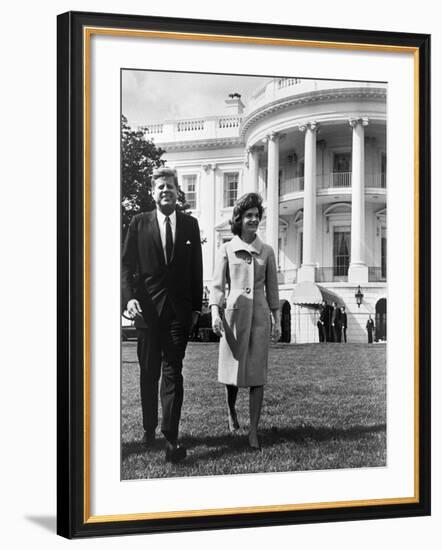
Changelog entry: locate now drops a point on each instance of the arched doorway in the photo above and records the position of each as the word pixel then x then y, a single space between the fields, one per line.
pixel 285 321
pixel 381 319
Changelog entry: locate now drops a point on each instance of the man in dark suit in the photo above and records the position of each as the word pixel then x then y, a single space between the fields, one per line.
pixel 370 328
pixel 163 249
pixel 322 322
pixel 343 322
pixel 336 322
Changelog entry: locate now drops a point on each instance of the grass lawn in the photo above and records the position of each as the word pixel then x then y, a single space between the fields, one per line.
pixel 324 407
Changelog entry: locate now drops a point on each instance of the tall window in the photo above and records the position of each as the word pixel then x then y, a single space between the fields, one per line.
pixel 230 189
pixel 384 254
pixel 300 169
pixel 301 247
pixel 341 176
pixel 384 170
pixel 189 188
pixel 342 162
pixel 341 252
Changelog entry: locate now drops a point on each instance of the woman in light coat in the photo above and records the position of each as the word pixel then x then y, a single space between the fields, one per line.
pixel 247 267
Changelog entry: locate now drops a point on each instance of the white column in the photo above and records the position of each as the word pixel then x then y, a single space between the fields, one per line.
pixel 272 220
pixel 210 171
pixel 358 270
pixel 307 271
pixel 253 156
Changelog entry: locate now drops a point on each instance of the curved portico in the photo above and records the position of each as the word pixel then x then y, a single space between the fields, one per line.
pixel 308 163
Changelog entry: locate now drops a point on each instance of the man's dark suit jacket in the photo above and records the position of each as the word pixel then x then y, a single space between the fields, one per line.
pixel 180 282
pixel 336 315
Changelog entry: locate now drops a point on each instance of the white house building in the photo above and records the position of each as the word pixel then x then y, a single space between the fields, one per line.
pixel 316 151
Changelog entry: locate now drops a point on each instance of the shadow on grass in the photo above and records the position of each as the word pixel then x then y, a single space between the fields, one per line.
pixel 301 434
pixel 220 445
pixel 129 448
pixel 216 446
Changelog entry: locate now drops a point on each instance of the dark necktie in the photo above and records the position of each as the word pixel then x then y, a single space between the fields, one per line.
pixel 169 240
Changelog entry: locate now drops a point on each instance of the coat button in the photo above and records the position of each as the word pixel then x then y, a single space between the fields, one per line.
pixel 247 290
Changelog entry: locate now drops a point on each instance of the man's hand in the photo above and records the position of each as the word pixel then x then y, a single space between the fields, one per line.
pixel 133 309
pixel 217 326
pixel 195 317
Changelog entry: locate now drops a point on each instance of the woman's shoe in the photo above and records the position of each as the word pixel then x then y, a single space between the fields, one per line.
pixel 233 424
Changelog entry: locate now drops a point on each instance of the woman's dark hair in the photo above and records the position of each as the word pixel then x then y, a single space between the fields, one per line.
pixel 247 201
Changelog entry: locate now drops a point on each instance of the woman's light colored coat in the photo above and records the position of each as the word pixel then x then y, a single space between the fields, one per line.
pixel 249 271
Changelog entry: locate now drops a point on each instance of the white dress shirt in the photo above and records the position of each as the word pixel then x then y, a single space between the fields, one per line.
pixel 162 225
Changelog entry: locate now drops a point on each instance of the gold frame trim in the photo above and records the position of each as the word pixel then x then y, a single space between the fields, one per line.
pixel 87 34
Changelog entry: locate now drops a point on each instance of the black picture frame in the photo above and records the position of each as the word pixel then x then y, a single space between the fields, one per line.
pixel 73 515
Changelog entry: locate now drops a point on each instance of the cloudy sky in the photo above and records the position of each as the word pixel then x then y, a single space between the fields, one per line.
pixel 150 96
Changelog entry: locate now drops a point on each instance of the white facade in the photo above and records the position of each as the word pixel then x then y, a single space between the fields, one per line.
pixel 316 151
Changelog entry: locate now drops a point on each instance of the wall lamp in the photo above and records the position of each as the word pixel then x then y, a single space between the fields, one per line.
pixel 359 296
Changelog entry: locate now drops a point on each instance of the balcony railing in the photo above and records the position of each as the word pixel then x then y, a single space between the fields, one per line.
pixel 335 179
pixel 331 181
pixel 287 276
pixel 153 128
pixel 229 122
pixel 377 275
pixel 226 126
pixel 376 180
pixel 190 125
pixel 281 88
pixel 293 185
pixel 286 82
pixel 330 274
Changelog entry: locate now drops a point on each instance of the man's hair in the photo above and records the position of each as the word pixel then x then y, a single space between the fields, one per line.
pixel 165 172
pixel 247 201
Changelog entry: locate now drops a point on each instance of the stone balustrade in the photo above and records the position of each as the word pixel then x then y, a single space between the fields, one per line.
pixel 280 88
pixel 193 129
pixel 332 180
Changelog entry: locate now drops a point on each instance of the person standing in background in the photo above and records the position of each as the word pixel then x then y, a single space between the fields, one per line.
pixel 336 323
pixel 370 328
pixel 343 322
pixel 322 322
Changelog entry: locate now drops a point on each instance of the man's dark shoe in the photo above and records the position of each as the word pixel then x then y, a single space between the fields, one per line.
pixel 148 439
pixel 176 454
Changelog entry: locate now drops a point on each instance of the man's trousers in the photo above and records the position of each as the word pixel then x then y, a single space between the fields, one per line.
pixel 161 349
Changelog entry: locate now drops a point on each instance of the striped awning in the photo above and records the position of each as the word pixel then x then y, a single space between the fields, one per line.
pixel 312 295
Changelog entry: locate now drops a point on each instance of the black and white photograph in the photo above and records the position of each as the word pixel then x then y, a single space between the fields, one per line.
pixel 207 208
pixel 254 274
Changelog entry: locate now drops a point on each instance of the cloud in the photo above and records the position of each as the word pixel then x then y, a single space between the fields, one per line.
pixel 150 96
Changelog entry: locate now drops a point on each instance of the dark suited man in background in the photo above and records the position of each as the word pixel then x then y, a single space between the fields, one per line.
pixel 336 322
pixel 370 328
pixel 322 322
pixel 343 322
pixel 163 248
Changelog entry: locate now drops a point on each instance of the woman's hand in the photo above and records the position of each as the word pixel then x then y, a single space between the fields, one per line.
pixel 276 325
pixel 276 332
pixel 217 326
